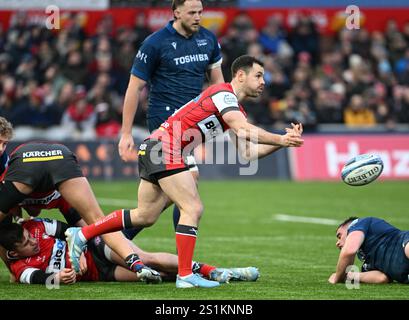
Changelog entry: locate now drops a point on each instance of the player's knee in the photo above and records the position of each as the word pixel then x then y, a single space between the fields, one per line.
pixel 148 220
pixel 196 209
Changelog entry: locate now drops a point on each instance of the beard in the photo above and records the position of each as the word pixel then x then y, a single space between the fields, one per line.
pixel 189 29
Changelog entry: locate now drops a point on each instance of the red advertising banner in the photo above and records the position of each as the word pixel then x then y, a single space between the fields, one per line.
pixel 322 157
pixel 328 20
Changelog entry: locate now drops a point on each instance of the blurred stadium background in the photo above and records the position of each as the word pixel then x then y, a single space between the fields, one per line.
pixel 350 89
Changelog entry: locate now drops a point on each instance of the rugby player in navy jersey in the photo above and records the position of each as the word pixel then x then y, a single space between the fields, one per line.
pixel 164 171
pixel 382 247
pixel 174 61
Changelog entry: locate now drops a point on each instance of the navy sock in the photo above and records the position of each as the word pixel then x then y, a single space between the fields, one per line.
pixel 176 216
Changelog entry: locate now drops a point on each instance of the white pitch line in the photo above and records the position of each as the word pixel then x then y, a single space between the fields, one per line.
pixel 117 202
pixel 288 218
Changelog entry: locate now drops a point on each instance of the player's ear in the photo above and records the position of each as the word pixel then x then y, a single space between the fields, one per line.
pixel 12 254
pixel 241 75
pixel 176 13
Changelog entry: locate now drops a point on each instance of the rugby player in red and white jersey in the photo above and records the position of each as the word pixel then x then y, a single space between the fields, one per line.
pixel 164 172
pixel 37 168
pixel 37 254
pixel 103 264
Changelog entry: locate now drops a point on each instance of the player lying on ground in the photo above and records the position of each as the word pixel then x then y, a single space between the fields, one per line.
pixel 165 176
pixel 42 167
pixel 37 254
pixel 36 202
pixel 382 247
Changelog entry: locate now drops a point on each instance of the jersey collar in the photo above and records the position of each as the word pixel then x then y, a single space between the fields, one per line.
pixel 173 31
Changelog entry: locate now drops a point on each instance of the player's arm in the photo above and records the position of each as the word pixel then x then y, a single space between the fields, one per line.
pixel 126 144
pixel 245 130
pixel 214 71
pixel 373 276
pixel 37 276
pixel 10 197
pixel 215 75
pixel 251 151
pixel 346 258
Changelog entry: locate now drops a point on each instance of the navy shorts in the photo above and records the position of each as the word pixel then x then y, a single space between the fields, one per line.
pixel 391 258
pixel 155 121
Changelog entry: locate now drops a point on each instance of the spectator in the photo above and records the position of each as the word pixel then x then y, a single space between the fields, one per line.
pixel 357 114
pixel 80 118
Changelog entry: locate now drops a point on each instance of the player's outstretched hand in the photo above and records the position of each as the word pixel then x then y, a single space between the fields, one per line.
pixel 292 138
pixel 126 147
pixel 66 276
pixel 332 278
pixel 296 129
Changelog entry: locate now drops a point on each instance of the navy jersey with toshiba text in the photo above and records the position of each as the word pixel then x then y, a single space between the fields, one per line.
pixel 383 248
pixel 175 67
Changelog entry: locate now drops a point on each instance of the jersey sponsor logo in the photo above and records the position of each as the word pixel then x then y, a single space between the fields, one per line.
pixel 41 201
pixel 57 260
pixel 201 42
pixel 142 149
pixel 142 56
pixel 191 58
pixel 35 156
pixel 230 99
pixel 210 127
pixel 174 45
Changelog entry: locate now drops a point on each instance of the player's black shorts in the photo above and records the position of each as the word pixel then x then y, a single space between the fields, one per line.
pixel 154 164
pixel 106 269
pixel 43 166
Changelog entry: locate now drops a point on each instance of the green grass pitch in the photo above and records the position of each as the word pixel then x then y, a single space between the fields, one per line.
pixel 239 228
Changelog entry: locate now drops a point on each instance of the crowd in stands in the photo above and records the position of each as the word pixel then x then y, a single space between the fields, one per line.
pixel 73 84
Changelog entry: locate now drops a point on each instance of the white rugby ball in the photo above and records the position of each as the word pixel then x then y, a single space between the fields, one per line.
pixel 362 169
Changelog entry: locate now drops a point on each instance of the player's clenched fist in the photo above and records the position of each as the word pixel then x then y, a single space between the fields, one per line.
pixel 66 276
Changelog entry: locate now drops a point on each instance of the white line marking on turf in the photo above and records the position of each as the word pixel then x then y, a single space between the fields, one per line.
pixel 117 202
pixel 288 218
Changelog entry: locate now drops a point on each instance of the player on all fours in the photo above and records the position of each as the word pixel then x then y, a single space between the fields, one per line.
pixel 164 171
pixel 383 248
pixel 37 250
pixel 174 61
pixel 43 167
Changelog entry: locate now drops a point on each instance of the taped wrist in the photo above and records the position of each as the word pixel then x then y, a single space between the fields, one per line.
pixel 9 196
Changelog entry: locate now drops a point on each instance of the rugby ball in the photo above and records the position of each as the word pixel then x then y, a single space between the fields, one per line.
pixel 362 169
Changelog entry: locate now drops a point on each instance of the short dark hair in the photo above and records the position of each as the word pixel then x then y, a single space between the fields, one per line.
pixel 244 63
pixel 177 3
pixel 347 221
pixel 10 235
